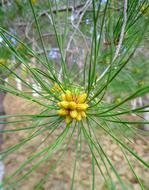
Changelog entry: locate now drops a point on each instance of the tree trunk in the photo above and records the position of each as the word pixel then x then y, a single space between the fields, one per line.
pixel 2 112
pixel 146 114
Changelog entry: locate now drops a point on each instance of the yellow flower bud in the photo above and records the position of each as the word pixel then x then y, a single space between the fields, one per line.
pixel 73 114
pixel 72 105
pixel 64 104
pixel 19 46
pixel 34 1
pixel 68 119
pixel 2 61
pixel 82 107
pixel 63 97
pixel 81 98
pixel 52 90
pixel 57 87
pixel 144 9
pixel 83 114
pixel 59 104
pixel 78 118
pixel 63 112
pixel 68 95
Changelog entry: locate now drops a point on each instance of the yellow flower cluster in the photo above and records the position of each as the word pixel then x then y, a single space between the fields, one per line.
pixel 56 88
pixel 2 61
pixel 145 9
pixel 72 106
pixel 34 2
pixel 141 82
pixel 20 46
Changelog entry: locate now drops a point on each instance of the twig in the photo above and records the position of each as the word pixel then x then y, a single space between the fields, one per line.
pixel 122 32
pixel 63 9
pixel 120 40
pixel 83 10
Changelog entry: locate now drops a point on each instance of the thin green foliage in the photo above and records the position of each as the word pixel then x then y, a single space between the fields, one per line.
pixel 88 62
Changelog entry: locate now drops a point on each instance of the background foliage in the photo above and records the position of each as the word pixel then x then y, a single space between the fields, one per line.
pixel 97 47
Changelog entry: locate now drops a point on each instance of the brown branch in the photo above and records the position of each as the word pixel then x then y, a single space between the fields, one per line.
pixel 63 9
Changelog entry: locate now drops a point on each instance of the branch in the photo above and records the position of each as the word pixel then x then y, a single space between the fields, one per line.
pixel 120 40
pixel 63 9
pixel 122 32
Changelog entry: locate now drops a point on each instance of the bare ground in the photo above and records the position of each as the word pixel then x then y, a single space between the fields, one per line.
pixel 60 178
